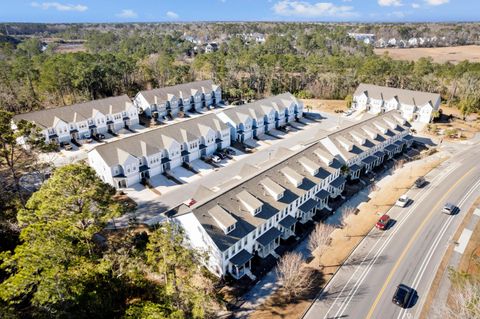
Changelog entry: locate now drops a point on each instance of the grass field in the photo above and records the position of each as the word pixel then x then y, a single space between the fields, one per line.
pixel 440 55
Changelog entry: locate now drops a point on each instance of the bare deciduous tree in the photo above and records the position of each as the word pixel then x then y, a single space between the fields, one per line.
pixel 294 277
pixel 320 238
pixel 466 302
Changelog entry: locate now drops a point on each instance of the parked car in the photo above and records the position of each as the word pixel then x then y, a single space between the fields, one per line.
pixel 229 151
pixel 420 182
pixel 449 208
pixel 348 112
pixel 220 154
pixel 88 140
pixel 383 222
pixel 403 296
pixel 402 201
pixel 68 146
pixel 216 159
pixel 190 202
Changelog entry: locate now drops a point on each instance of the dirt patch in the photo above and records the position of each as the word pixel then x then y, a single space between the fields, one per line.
pixel 346 239
pixel 329 106
pixel 472 252
pixel 439 55
pixel 452 125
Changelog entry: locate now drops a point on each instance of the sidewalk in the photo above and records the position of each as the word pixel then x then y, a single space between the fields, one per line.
pixel 440 297
pixel 265 288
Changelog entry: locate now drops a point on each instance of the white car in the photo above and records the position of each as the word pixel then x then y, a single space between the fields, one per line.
pixel 216 159
pixel 402 201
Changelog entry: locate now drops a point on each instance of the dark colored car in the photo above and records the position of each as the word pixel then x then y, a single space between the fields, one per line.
pixel 229 151
pixel 403 295
pixel 220 154
pixel 420 182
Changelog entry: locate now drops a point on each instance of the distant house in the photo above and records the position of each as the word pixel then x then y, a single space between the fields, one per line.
pixel 169 101
pixel 82 120
pixel 392 42
pixel 211 47
pixel 381 43
pixel 367 38
pixel 413 105
pixel 413 42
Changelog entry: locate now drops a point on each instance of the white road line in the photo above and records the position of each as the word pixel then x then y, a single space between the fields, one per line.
pixel 436 242
pixel 442 175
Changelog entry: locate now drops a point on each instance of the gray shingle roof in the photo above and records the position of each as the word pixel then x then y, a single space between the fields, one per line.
pixel 260 108
pixel 184 91
pixel 410 97
pixel 76 112
pixel 252 183
pixel 158 139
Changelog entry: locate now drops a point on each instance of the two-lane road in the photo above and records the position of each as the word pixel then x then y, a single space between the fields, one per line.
pixel 409 252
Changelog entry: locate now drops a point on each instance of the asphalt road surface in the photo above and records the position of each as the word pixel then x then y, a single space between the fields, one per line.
pixel 409 252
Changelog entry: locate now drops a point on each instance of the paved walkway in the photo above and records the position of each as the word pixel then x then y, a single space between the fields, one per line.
pixel 441 295
pixel 269 283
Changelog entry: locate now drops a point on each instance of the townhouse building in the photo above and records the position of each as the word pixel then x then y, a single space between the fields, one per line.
pixel 414 106
pixel 169 101
pixel 251 120
pixel 241 224
pixel 82 120
pixel 125 162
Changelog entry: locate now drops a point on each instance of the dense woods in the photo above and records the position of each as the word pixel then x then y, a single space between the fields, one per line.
pixel 56 260
pixel 321 62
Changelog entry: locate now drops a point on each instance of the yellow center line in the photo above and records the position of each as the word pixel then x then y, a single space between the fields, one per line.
pixel 410 243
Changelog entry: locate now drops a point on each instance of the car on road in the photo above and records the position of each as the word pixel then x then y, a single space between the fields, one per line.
pixel 402 201
pixel 420 182
pixel 383 222
pixel 449 208
pixel 403 296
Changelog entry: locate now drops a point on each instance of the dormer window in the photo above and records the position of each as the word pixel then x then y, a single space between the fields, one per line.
pixel 292 176
pixel 272 188
pixel 309 166
pixel 249 202
pixel 223 219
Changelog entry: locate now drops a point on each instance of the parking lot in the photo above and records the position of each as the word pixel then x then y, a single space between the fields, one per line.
pixel 217 176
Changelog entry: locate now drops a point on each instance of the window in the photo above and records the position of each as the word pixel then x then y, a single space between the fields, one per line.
pixel 230 228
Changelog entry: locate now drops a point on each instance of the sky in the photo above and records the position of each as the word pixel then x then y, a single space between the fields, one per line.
pixel 238 10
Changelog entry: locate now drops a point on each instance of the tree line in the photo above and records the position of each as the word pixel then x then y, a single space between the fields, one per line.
pixel 324 63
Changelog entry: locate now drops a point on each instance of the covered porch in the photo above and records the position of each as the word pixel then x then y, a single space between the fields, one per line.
pixel 287 226
pixel 240 265
pixel 390 150
pixel 380 158
pixel 322 199
pixel 337 186
pixel 307 210
pixel 267 242
pixel 355 171
pixel 368 163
